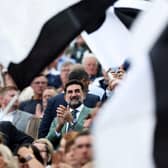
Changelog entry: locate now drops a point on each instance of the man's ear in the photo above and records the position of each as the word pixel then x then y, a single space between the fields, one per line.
pixel 64 96
pixel 84 95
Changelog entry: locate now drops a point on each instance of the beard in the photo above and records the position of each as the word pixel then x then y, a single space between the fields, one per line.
pixel 75 102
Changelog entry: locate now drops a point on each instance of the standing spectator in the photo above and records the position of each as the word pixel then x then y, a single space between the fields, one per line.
pixel 91 65
pixel 38 85
pixel 71 117
pixel 58 81
pixel 48 93
pixel 78 49
pixel 90 100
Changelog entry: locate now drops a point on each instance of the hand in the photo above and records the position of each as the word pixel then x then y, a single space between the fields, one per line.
pixel 60 114
pixel 38 111
pixel 68 115
pixel 112 84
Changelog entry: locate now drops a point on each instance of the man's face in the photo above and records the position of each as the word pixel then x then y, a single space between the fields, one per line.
pixel 47 94
pixel 65 73
pixel 83 149
pixel 74 95
pixel 7 98
pixel 39 84
pixel 91 66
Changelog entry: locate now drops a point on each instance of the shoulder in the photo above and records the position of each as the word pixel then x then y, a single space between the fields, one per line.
pixel 24 113
pixel 85 108
pixel 92 96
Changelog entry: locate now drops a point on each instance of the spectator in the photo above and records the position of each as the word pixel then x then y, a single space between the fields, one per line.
pixel 71 117
pixel 48 93
pixel 83 148
pixel 19 118
pixel 78 49
pixel 46 149
pixel 29 156
pixel 90 100
pixel 91 65
pixel 58 81
pixel 38 85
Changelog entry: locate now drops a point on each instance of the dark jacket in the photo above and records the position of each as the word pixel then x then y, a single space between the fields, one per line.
pixel 50 112
pixel 12 136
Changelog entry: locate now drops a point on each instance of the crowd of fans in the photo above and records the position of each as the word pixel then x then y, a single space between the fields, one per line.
pixel 48 123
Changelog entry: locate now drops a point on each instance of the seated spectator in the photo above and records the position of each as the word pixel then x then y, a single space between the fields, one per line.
pixel 38 85
pixel 90 100
pixel 19 118
pixel 48 93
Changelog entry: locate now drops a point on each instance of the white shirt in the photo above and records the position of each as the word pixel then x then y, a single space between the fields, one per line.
pixel 6 117
pixel 67 123
pixel 79 109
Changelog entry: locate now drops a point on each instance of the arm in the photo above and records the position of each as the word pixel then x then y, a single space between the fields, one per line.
pixel 47 119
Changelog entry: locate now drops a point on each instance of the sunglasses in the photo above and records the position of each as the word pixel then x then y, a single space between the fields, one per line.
pixel 21 159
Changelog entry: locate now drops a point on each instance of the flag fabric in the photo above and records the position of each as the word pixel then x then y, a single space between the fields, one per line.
pixel 106 41
pixel 52 34
pixel 21 22
pixel 131 130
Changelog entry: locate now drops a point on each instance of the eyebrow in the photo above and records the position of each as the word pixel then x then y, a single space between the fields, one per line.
pixel 75 90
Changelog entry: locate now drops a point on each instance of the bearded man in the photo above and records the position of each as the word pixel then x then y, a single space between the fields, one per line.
pixel 73 115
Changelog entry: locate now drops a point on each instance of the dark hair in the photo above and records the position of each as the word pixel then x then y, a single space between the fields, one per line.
pixel 72 82
pixel 36 152
pixel 78 74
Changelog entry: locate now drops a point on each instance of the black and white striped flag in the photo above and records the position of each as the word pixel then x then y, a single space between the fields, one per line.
pixel 131 130
pixel 111 40
pixel 35 32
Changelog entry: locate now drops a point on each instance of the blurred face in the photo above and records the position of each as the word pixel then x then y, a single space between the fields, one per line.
pixel 2 162
pixel 7 98
pixel 39 84
pixel 64 73
pixel 70 156
pixel 74 95
pixel 47 94
pixel 91 66
pixel 83 149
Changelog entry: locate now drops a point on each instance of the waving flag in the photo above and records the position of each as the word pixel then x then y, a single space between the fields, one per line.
pixel 35 32
pixel 111 40
pixel 131 130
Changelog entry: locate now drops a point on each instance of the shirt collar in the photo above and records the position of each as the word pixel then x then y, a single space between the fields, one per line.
pixel 79 108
